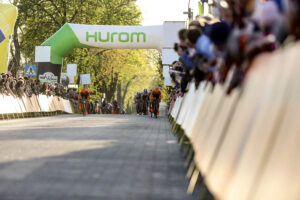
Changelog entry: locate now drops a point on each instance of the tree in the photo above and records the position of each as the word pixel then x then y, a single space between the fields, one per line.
pixel 39 19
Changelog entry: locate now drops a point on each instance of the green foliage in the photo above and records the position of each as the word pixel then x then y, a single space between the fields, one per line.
pixel 39 19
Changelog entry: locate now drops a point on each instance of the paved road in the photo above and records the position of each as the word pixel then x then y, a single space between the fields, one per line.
pixel 98 157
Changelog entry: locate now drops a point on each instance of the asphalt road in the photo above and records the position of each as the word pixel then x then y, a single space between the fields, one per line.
pixel 109 157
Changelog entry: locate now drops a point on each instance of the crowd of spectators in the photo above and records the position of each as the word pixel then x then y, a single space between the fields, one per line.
pixel 211 47
pixel 26 87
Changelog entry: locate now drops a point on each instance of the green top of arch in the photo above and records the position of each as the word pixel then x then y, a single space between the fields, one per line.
pixel 62 43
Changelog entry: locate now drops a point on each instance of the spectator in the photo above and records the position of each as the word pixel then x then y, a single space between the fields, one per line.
pixel 210 47
pixel 44 89
pixel 20 88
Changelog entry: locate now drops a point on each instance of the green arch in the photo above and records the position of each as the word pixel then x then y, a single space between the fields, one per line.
pixel 62 43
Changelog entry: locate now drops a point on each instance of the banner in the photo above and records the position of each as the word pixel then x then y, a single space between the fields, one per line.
pixel 48 72
pixel 48 77
pixel 85 79
pixel 120 37
pixel 8 16
pixel 71 70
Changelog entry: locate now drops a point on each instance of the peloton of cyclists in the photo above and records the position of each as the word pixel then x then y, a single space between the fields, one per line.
pixel 148 102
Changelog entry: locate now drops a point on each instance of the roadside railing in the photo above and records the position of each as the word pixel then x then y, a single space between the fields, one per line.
pixel 41 105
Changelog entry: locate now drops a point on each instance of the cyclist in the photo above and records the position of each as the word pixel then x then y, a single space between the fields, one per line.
pixel 104 107
pixel 84 95
pixel 150 96
pixel 137 101
pixel 115 107
pixel 155 100
pixel 145 102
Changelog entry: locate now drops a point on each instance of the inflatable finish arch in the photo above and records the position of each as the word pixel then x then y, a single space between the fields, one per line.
pixel 72 36
pixel 8 16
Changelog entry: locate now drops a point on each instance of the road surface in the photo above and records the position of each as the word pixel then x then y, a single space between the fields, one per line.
pixel 109 157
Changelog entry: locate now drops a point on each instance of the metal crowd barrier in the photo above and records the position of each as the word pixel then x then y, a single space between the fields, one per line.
pixel 41 105
pixel 246 145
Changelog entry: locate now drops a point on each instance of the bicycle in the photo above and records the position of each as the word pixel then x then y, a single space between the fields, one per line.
pixel 145 107
pixel 83 106
pixel 155 104
pixel 115 109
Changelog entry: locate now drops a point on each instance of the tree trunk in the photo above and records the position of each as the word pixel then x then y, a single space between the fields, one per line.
pixel 119 95
pixel 14 64
pixel 112 87
pixel 126 90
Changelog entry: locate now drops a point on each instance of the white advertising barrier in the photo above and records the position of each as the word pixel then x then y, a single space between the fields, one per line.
pixel 21 105
pixel 185 105
pixel 179 106
pixel 61 104
pixel 14 106
pixel 1 103
pixel 51 103
pixel 9 105
pixel 190 105
pixel 44 103
pixel 35 103
pixel 3 107
pixel 28 104
pixel 195 104
pixel 176 107
pixel 41 103
pixel 67 106
pixel 198 103
pixel 180 109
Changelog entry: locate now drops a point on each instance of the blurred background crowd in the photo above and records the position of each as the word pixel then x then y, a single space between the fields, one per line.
pixel 23 87
pixel 221 50
pixel 26 87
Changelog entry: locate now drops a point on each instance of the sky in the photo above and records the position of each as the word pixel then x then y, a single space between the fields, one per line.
pixel 155 12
